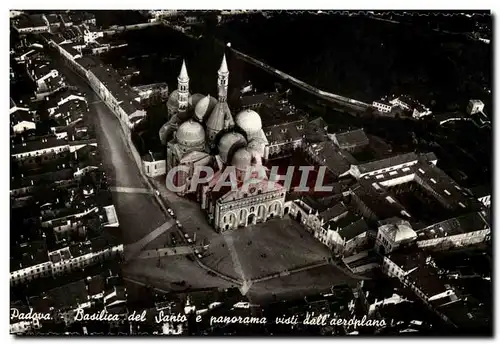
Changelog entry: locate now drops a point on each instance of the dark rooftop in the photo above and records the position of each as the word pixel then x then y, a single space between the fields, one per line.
pixel 387 162
pixel 353 138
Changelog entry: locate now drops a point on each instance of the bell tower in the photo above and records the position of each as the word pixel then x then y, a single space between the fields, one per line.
pixel 183 88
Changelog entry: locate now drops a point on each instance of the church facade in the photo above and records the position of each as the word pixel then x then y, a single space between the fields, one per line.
pixel 201 131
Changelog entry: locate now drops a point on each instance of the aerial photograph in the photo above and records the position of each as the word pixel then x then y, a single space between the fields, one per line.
pixel 250 173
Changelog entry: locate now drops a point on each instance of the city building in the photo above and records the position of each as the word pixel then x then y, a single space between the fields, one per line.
pixel 419 273
pixel 464 230
pixel 392 233
pixel 383 106
pixel 34 23
pixel 408 104
pixel 46 78
pixel 21 119
pixel 475 106
pixel 352 141
pixel 483 194
pixel 284 138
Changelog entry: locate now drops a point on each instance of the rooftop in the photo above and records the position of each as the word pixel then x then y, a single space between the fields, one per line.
pixel 481 190
pixel 38 144
pixel 28 254
pixel 352 227
pixel 353 138
pixel 387 162
pixel 69 295
pixel 462 224
pixel 326 153
pixel 285 132
pixel 421 270
pixel 124 94
pixel 333 212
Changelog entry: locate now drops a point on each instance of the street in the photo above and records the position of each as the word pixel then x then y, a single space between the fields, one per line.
pixel 142 221
pixel 138 212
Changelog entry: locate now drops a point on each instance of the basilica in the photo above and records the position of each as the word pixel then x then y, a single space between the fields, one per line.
pixel 201 131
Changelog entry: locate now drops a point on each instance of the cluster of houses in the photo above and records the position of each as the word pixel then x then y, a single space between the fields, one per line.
pixel 366 227
pixel 402 103
pixel 62 214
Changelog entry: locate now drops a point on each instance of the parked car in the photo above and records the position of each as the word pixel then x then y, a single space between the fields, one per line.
pixel 178 224
pixel 170 212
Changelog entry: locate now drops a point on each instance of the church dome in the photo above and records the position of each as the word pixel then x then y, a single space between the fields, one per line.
pixel 194 99
pixel 204 106
pixel 190 133
pixel 242 158
pixel 249 121
pixel 220 118
pixel 257 150
pixel 173 100
pixel 228 141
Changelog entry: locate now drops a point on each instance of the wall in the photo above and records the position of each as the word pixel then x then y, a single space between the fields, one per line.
pixel 460 240
pixel 154 168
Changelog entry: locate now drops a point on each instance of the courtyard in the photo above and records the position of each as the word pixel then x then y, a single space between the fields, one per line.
pixel 274 248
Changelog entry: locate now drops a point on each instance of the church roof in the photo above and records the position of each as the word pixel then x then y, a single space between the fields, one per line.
pixel 223 66
pixel 250 188
pixel 242 158
pixel 196 158
pixel 173 99
pixel 220 118
pixel 227 142
pixel 183 75
pixel 249 121
pixel 204 107
pixel 195 99
pixel 190 133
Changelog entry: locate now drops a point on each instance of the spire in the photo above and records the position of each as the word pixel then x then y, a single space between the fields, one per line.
pixel 183 74
pixel 222 81
pixel 223 65
pixel 183 89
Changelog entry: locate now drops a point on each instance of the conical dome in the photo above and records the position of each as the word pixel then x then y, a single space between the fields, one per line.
pixel 220 118
pixel 204 107
pixel 223 66
pixel 183 75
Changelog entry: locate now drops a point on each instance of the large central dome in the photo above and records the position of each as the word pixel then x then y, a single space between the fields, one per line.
pixel 249 121
pixel 190 133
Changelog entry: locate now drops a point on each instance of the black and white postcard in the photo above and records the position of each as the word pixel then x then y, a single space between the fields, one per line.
pixel 250 173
